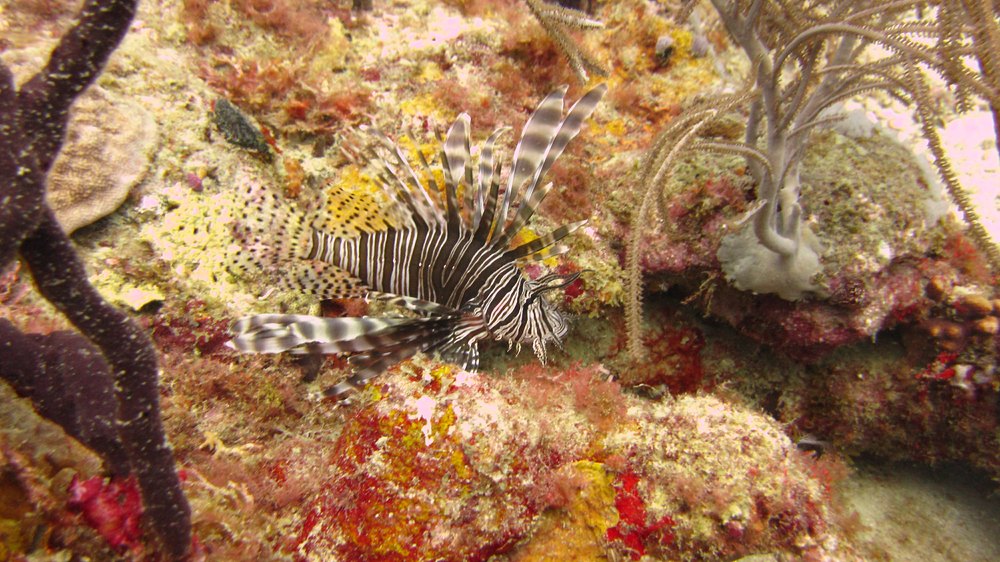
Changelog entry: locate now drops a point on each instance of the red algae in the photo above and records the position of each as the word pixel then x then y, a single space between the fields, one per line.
pixel 113 508
pixel 633 529
pixel 674 344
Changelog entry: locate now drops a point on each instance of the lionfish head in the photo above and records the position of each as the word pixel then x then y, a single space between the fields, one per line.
pixel 544 321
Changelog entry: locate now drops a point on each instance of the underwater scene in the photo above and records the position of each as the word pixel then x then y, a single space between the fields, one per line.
pixel 509 281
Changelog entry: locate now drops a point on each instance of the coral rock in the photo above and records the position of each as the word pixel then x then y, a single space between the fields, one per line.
pixel 108 149
pixel 707 480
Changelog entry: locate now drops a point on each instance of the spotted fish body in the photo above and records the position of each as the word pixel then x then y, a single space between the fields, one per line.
pixel 444 252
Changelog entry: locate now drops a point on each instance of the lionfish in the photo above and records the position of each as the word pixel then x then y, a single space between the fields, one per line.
pixel 443 252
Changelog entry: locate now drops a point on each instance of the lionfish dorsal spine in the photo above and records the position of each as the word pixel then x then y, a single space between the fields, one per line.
pixel 529 152
pixel 406 181
pixel 452 210
pixel 546 246
pixel 488 222
pixel 555 137
pixel 484 182
pixel 458 157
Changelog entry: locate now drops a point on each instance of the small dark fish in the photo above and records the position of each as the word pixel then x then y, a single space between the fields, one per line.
pixel 809 443
pixel 237 127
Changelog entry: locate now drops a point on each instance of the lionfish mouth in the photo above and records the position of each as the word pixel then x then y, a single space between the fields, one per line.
pixel 443 245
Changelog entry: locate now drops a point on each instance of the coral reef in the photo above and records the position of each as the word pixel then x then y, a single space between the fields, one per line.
pixel 444 465
pixel 734 437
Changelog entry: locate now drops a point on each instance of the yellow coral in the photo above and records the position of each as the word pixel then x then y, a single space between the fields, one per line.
pixel 577 531
pixel 424 105
pixel 430 72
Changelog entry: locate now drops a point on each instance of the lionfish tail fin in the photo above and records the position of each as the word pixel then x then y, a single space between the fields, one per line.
pixel 269 233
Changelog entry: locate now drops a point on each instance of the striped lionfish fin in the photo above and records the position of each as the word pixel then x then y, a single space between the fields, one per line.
pixel 487 221
pixel 545 247
pixel 375 343
pixel 489 172
pixel 413 304
pixel 367 366
pixel 462 345
pixel 400 180
pixel 276 333
pixel 457 150
pixel 425 335
pixel 451 183
pixel 530 150
pixel 542 145
pixel 276 238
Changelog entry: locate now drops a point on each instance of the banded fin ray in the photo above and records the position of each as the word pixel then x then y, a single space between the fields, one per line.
pixel 457 150
pixel 412 304
pixel 422 204
pixel 566 131
pixel 530 151
pixel 276 333
pixel 484 181
pixel 530 249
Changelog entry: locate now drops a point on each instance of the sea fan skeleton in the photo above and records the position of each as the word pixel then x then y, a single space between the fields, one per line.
pixel 450 261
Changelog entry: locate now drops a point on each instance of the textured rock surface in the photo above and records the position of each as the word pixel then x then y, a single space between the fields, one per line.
pixel 108 150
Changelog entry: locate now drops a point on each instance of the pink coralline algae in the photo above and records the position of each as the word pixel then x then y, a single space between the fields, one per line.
pixel 111 507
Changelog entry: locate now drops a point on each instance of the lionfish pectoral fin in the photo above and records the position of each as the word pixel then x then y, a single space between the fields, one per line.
pixel 366 367
pixel 555 281
pixel 463 354
pixel 403 342
pixel 276 333
pixel 451 339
